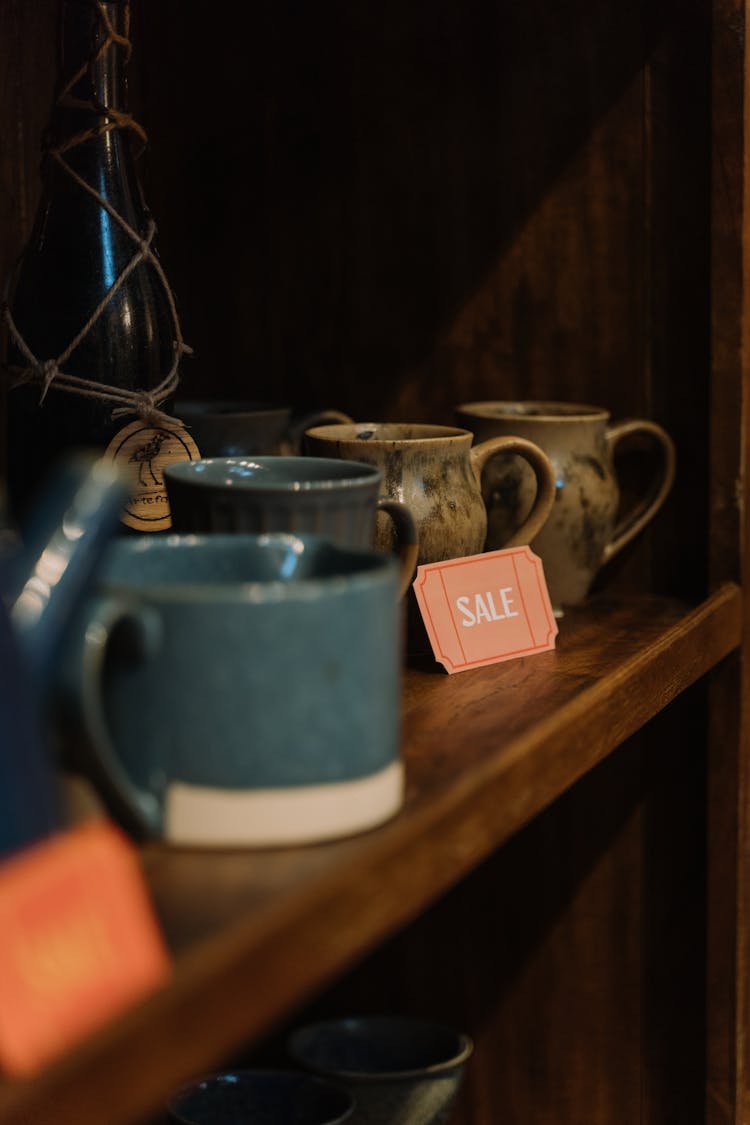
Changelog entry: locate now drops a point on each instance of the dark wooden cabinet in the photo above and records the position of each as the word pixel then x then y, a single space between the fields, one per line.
pixel 393 208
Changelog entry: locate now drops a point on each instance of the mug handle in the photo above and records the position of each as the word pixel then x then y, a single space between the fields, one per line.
pixel 543 471
pixel 296 432
pixel 407 540
pixel 634 521
pixel 138 809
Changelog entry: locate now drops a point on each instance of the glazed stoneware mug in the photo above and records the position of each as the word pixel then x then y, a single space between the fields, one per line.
pixel 238 690
pixel 400 1070
pixel 236 428
pixel 260 1097
pixel 437 472
pixel 583 533
pixel 337 499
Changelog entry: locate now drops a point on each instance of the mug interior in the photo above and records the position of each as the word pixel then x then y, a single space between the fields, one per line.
pixel 255 1097
pixel 272 473
pixel 384 432
pixel 379 1046
pixel 213 563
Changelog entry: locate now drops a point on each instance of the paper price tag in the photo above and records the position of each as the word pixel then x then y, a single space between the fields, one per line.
pixel 482 609
pixel 78 942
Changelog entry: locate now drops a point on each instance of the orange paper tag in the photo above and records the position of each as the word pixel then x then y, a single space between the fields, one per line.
pixel 78 942
pixel 486 608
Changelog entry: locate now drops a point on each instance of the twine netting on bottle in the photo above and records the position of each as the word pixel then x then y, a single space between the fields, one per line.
pixel 44 372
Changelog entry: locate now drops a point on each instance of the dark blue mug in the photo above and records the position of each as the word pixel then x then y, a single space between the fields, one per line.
pixel 239 689
pixel 231 428
pixel 45 573
pixel 337 499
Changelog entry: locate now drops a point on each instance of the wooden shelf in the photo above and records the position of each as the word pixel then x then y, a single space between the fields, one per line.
pixel 255 933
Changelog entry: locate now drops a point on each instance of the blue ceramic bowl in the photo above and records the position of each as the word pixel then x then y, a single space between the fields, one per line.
pixel 260 1097
pixel 399 1070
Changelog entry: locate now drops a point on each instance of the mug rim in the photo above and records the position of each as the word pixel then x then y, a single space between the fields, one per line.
pixel 542 410
pixel 430 432
pixel 360 474
pixel 381 569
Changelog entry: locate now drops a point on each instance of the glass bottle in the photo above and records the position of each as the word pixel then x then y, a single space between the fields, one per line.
pixel 94 337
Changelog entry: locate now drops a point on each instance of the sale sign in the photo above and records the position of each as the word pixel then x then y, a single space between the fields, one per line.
pixel 482 609
pixel 78 942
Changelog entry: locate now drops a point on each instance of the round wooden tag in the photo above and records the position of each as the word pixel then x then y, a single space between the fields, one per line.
pixel 142 451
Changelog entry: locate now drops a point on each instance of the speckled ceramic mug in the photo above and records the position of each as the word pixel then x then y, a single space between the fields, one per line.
pixel 436 472
pixel 582 533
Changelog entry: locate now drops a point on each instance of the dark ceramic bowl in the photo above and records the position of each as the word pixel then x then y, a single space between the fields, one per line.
pixel 399 1070
pixel 260 1097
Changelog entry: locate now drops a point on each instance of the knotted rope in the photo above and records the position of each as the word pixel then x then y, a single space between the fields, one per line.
pixel 45 372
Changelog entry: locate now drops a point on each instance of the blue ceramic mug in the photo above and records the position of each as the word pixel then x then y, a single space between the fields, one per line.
pixel 44 575
pixel 239 689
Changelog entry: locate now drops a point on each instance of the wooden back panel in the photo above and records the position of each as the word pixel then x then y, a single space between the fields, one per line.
pixel 393 209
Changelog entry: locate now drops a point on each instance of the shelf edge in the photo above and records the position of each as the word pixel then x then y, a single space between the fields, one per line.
pixel 340 917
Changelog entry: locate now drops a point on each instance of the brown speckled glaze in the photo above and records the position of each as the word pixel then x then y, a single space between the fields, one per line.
pixel 580 535
pixel 436 472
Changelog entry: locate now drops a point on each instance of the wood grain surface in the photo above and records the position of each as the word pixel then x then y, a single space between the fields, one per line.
pixel 392 208
pixel 728 914
pixel 256 933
